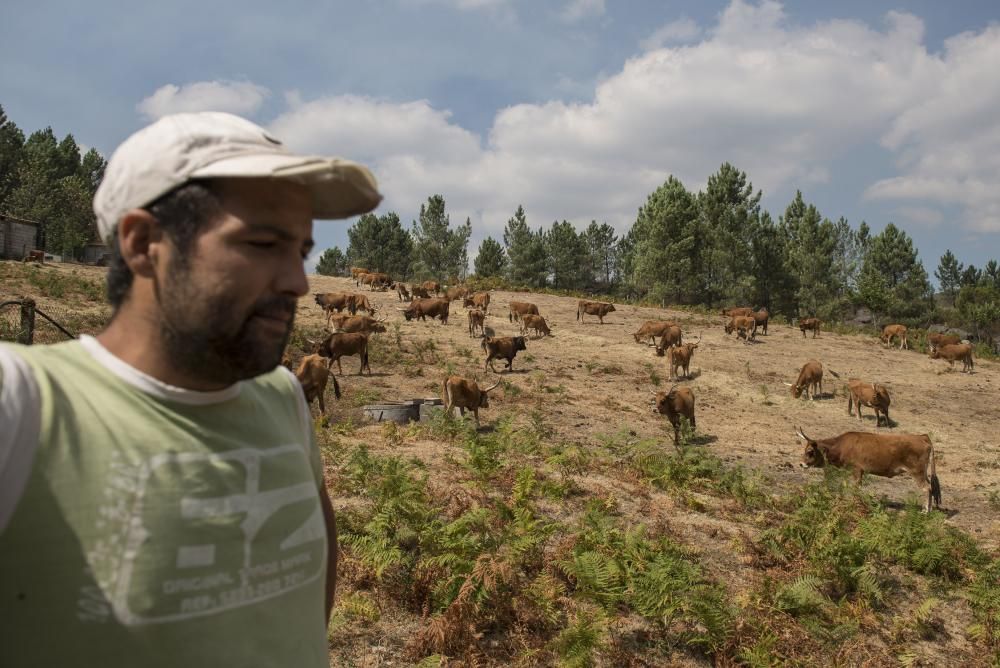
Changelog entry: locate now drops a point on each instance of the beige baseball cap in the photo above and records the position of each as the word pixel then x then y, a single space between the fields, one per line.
pixel 181 147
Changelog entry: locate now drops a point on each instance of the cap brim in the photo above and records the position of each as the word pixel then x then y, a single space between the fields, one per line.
pixel 340 188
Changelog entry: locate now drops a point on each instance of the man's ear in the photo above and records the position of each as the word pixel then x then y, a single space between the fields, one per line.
pixel 140 239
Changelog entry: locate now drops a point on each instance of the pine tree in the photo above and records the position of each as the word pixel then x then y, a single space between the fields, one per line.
pixel 667 246
pixel 600 241
pixel 439 252
pixel 332 262
pixel 728 211
pixel 971 276
pixel 892 260
pixel 949 275
pixel 526 252
pixel 811 250
pixel 566 254
pixel 11 151
pixel 772 285
pixel 379 243
pixel 491 259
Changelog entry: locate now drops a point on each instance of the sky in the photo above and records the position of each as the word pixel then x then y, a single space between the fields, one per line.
pixel 876 110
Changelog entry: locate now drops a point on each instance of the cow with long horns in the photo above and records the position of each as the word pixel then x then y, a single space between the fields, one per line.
pixel 465 394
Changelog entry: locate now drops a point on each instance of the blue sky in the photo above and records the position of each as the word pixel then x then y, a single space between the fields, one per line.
pixel 577 109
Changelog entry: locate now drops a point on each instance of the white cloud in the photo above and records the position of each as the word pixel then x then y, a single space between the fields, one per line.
pixel 681 30
pixel 238 97
pixel 576 10
pixel 919 215
pixel 948 141
pixel 780 101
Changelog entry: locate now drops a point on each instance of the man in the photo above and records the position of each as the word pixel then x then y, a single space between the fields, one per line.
pixel 161 494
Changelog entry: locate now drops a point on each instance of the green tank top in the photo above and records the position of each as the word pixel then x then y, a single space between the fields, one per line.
pixel 160 533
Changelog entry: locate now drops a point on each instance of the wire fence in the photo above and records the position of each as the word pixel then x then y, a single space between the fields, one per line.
pixel 22 321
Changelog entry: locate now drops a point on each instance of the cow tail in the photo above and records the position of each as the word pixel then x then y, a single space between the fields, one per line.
pixel 444 394
pixel 935 483
pixel 336 386
pixel 577 312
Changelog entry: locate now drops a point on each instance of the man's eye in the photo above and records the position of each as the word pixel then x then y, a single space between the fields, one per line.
pixel 262 244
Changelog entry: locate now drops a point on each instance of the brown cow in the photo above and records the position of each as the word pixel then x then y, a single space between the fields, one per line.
pixel 402 292
pixel 737 310
pixel 35 256
pixel 600 309
pixel 676 403
pixel 359 302
pixel 430 286
pixel 346 344
pixel 465 394
pixel 671 337
pixel 477 320
pixel 378 281
pixel 435 307
pixel 680 358
pixel 810 323
pixel 650 330
pixel 420 292
pixel 810 379
pixel 480 300
pixel 535 322
pixel 745 327
pixel 936 339
pixel 357 271
pixel 955 352
pixel 869 394
pixel 332 301
pixel 761 317
pixel 893 331
pixel 884 455
pixel 455 292
pixel 518 309
pixel 505 347
pixel 342 322
pixel 313 373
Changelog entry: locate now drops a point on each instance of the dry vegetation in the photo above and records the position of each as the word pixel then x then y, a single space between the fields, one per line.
pixel 570 531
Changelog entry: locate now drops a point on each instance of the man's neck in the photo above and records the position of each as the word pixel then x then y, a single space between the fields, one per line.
pixel 135 339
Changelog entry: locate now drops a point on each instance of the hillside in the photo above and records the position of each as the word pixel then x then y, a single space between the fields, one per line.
pixel 569 530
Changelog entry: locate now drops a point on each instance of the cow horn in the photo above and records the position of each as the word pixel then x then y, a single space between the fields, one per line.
pixel 400 309
pixel 382 319
pixel 494 385
pixel 798 432
pixel 789 384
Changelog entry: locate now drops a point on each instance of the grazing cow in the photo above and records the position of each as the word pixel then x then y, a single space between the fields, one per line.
pixel 357 271
pixel 504 347
pixel 676 403
pixel 343 322
pixel 810 323
pixel 737 310
pixel 378 281
pixel 35 256
pixel 455 292
pixel 650 330
pixel 884 455
pixel 519 309
pixel 955 352
pixel 936 339
pixel 465 394
pixel 810 380
pixel 428 287
pixel 359 302
pixel 477 320
pixel 535 322
pixel 671 337
pixel 745 327
pixel 435 307
pixel 761 317
pixel 346 344
pixel 332 301
pixel 869 394
pixel 480 300
pixel 402 292
pixel 600 309
pixel 894 331
pixel 313 373
pixel 419 292
pixel 680 358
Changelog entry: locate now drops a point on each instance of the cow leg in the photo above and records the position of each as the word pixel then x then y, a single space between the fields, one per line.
pixel 339 369
pixel 858 474
pixel 322 404
pixel 475 412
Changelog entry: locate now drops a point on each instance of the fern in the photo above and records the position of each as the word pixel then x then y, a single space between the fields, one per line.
pixel 596 576
pixel 802 596
pixel 577 644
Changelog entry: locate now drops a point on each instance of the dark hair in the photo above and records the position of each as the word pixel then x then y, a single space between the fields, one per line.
pixel 182 213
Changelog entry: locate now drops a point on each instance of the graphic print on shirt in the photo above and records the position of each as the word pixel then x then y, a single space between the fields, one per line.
pixel 192 534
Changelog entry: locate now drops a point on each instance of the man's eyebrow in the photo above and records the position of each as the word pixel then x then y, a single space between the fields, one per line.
pixel 278 231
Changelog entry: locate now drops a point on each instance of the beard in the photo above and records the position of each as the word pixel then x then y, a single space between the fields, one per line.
pixel 205 339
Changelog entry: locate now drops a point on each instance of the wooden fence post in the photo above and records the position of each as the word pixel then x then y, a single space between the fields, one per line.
pixel 27 334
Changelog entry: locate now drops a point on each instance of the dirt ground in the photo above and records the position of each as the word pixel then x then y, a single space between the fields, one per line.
pixel 742 404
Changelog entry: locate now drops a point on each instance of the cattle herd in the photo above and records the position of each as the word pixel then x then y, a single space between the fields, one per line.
pixel 879 453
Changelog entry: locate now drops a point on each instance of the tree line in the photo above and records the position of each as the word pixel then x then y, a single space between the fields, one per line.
pixel 46 180
pixel 713 247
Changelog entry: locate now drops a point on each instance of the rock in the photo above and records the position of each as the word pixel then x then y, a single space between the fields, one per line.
pixel 863 316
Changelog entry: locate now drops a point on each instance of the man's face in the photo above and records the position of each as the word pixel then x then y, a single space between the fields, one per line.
pixel 228 305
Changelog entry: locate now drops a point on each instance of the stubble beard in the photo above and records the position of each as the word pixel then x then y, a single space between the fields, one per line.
pixel 203 339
